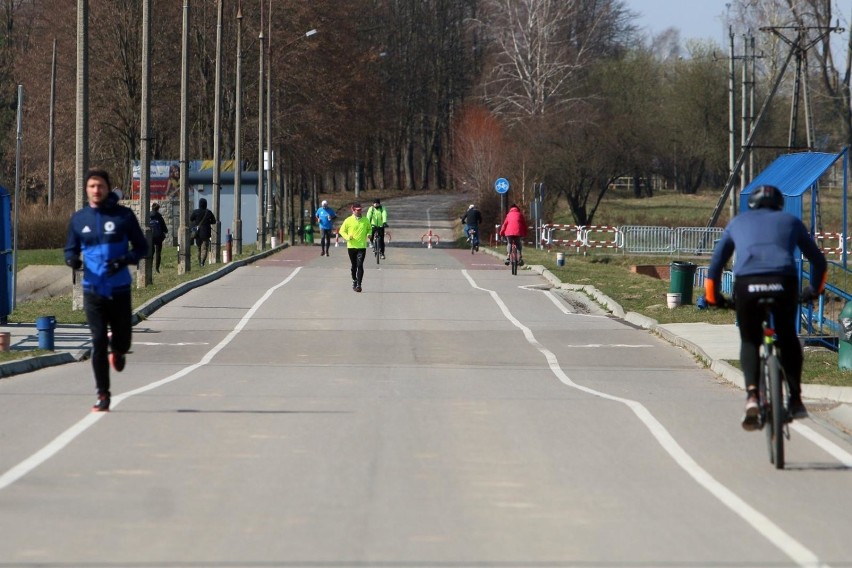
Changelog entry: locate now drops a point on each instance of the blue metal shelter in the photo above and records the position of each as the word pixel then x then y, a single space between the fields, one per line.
pixel 798 177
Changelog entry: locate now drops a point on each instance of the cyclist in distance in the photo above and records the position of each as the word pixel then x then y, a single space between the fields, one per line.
pixel 766 239
pixel 471 219
pixel 378 218
pixel 514 228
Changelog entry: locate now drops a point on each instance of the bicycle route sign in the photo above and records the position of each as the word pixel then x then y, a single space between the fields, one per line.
pixel 501 185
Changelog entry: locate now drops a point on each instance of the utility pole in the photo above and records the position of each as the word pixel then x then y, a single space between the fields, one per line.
pixel 270 164
pixel 261 231
pixel 238 138
pixel 184 262
pixel 144 275
pixel 217 137
pixel 51 135
pixel 82 103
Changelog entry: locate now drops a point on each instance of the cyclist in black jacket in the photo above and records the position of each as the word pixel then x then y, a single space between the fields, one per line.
pixel 766 239
pixel 471 219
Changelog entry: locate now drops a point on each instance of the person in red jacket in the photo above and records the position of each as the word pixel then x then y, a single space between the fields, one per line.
pixel 514 228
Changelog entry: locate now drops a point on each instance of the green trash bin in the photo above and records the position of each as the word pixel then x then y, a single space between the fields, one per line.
pixel 844 344
pixel 683 276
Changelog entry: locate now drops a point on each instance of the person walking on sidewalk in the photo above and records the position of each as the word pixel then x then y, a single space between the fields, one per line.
pixel 158 234
pixel 766 239
pixel 355 230
pixel 201 220
pixel 378 217
pixel 325 219
pixel 514 228
pixel 103 239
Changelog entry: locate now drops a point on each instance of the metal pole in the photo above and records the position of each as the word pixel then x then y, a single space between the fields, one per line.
pixel 261 231
pixel 82 122
pixel 217 137
pixel 20 139
pixel 184 262
pixel 144 275
pixel 51 135
pixel 238 138
pixel 270 204
pixel 743 113
pixel 732 137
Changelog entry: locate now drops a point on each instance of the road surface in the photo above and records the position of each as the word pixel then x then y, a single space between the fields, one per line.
pixel 449 415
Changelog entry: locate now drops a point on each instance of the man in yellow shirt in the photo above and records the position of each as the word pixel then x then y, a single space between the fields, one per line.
pixel 355 230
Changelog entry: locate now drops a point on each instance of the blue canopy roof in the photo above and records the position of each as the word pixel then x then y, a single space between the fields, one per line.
pixel 793 174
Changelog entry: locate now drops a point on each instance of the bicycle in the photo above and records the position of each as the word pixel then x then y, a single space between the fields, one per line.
pixel 514 255
pixel 376 242
pixel 773 390
pixel 474 242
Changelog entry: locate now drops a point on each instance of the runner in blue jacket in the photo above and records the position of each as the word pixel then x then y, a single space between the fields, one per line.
pixel 103 239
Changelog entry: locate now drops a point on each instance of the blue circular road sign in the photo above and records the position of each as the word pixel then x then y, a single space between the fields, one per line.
pixel 501 185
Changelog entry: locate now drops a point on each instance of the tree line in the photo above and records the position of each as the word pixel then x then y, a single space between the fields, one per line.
pixel 419 94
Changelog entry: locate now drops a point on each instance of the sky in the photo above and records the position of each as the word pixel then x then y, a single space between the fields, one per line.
pixel 696 19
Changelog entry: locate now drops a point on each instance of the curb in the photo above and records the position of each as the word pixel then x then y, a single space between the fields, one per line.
pixel 30 364
pixel 722 368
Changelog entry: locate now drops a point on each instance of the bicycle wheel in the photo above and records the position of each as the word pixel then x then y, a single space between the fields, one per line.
pixel 472 235
pixel 779 414
pixel 376 250
pixel 514 260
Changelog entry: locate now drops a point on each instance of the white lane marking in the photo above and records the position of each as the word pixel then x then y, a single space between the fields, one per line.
pixel 796 551
pixel 597 345
pixel 69 435
pixel 181 344
pixel 827 445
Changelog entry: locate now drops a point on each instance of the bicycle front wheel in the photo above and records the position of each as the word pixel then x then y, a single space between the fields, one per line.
pixel 779 414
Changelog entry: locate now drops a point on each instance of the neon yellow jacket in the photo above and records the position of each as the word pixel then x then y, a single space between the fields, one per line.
pixel 355 231
pixel 378 216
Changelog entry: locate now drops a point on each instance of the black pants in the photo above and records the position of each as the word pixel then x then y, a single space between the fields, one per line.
pixel 785 289
pixel 379 233
pixel 157 253
pixel 356 259
pixel 325 239
pixel 105 314
pixel 203 251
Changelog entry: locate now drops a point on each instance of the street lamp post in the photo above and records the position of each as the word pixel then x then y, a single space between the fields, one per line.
pixel 238 138
pixel 261 231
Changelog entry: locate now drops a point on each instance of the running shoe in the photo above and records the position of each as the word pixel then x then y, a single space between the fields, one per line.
pixel 102 405
pixel 751 420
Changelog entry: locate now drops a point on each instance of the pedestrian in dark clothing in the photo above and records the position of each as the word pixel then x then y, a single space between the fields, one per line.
pixel 201 221
pixel 158 233
pixel 103 239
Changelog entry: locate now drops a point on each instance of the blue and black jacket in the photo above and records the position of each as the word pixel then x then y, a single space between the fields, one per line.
pixel 99 235
pixel 766 241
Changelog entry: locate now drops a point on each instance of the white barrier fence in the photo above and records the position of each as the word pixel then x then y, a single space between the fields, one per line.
pixel 647 240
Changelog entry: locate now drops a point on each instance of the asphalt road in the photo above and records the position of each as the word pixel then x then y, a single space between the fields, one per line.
pixel 449 415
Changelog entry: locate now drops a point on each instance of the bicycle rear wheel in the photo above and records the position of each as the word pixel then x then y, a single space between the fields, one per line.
pixel 777 420
pixel 514 260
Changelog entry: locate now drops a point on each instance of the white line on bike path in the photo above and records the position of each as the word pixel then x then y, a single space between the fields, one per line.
pixel 797 552
pixel 58 443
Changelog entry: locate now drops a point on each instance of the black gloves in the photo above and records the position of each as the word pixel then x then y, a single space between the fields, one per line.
pixel 808 295
pixel 74 262
pixel 116 264
pixel 723 303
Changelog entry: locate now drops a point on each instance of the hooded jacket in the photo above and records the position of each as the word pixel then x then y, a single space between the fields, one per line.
pixel 203 218
pixel 514 225
pixel 99 235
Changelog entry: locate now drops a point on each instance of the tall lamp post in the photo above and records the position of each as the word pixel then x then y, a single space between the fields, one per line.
pixel 217 135
pixel 291 221
pixel 184 262
pixel 238 138
pixel 261 230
